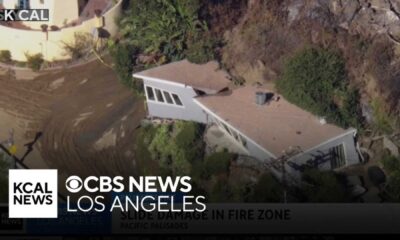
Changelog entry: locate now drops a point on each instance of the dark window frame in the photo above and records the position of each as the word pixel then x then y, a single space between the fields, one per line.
pixel 152 96
pixel 177 99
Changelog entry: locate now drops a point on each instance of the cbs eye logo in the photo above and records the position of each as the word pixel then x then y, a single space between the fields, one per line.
pixel 74 184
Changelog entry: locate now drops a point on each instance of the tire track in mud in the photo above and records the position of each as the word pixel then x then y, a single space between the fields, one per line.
pixel 74 115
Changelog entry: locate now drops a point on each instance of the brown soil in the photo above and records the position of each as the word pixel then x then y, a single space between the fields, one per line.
pixel 88 120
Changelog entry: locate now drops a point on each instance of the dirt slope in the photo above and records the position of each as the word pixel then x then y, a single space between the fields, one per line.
pixel 86 117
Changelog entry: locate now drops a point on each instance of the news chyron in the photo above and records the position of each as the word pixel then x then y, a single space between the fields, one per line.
pixel 34 194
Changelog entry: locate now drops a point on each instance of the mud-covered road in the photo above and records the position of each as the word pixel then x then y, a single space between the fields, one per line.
pixel 85 118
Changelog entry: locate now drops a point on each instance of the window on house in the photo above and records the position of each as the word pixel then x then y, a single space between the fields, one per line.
pixel 159 95
pixel 150 93
pixel 168 97
pixel 177 100
pixel 338 158
pixel 24 4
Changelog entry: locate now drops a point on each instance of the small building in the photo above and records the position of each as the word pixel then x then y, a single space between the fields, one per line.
pixel 263 124
pixel 95 18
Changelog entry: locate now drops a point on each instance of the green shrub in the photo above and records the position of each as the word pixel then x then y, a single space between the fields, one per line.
pixel 267 189
pixel 34 61
pixel 162 27
pixel 5 56
pixel 391 163
pixel 316 80
pixel 382 120
pixel 321 186
pixel 123 57
pixel 393 186
pixel 177 147
pixel 201 49
pixel 81 45
pixel 187 133
pixel 217 163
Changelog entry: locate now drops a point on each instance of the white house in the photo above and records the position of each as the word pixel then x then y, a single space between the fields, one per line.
pixel 95 18
pixel 263 124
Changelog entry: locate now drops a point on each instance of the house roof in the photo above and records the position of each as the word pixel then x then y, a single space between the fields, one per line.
pixel 276 126
pixel 206 77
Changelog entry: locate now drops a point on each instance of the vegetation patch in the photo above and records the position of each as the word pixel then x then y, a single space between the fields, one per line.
pixel 218 163
pixel 162 27
pixel 177 146
pixel 323 186
pixel 316 80
pixel 267 189
pixel 5 56
pixel 391 164
pixel 383 122
pixel 35 61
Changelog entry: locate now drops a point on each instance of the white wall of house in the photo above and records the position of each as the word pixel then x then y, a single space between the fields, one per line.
pixel 188 110
pixel 342 146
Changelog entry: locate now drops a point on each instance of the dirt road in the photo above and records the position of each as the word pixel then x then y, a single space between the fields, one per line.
pixel 86 118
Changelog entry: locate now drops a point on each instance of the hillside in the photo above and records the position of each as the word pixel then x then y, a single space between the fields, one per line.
pixel 365 33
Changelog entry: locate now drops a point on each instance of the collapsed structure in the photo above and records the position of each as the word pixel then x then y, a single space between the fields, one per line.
pixel 263 124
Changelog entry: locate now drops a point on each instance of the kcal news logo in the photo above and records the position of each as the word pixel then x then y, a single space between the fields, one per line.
pixel 33 194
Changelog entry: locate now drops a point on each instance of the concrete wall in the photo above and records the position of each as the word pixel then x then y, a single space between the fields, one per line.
pixel 50 44
pixel 189 111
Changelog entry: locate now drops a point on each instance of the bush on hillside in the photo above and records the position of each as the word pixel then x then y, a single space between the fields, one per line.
pixel 201 49
pixel 5 56
pixel 316 80
pixel 322 186
pixel 124 60
pixel 35 61
pixel 390 163
pixel 168 28
pixel 217 163
pixel 267 189
pixel 177 147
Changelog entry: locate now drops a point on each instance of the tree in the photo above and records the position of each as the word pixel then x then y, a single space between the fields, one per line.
pixel 316 80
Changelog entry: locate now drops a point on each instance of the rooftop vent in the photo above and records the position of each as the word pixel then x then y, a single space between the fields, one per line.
pixel 263 97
